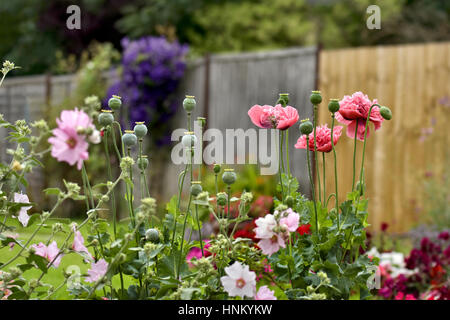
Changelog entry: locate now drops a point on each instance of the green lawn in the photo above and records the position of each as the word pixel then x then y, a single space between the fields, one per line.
pixel 55 275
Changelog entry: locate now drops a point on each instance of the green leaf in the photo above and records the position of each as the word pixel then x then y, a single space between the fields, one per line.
pixel 52 191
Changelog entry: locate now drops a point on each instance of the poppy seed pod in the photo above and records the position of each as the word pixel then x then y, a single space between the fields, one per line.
pixel 306 127
pixel 152 235
pixel 140 129
pixel 189 139
pixel 189 103
pixel 196 188
pixel 289 201
pixel 333 106
pixel 283 99
pixel 315 97
pixel 222 198
pixel 129 139
pixel 142 163
pixel 115 103
pixel 217 168
pixel 386 113
pixel 105 118
pixel 229 176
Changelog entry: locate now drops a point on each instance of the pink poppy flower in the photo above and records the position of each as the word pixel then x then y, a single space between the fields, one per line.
pixel 196 252
pixel 264 293
pixel 50 253
pixel 273 117
pixel 97 271
pixel 354 110
pixel 239 281
pixel 78 244
pixel 69 143
pixel 272 245
pixel 23 217
pixel 292 220
pixel 323 139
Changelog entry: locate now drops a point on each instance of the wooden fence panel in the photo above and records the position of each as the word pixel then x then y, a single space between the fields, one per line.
pixel 411 80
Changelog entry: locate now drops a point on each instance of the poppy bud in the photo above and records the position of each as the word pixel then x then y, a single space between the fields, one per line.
pixel 105 118
pixel 315 97
pixel 152 235
pixel 386 113
pixel 142 162
pixel 229 176
pixel 115 103
pixel 289 201
pixel 333 106
pixel 189 104
pixel 217 168
pixel 196 188
pixel 222 198
pixel 129 139
pixel 360 188
pixel 140 129
pixel 306 127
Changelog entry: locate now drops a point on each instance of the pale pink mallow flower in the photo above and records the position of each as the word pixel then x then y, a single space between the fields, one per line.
pixel 323 139
pixel 97 271
pixel 291 221
pixel 264 293
pixel 272 245
pixel 50 253
pixel 277 117
pixel 239 281
pixel 69 143
pixel 264 227
pixel 23 217
pixel 78 244
pixel 355 109
pixel 12 244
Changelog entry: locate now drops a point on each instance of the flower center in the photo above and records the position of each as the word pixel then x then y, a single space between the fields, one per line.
pixel 71 143
pixel 240 283
pixel 274 239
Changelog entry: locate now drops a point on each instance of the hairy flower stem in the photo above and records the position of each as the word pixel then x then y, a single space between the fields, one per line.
pixel 316 158
pixel 108 165
pixel 364 146
pixel 280 141
pixel 323 173
pixel 312 184
pixel 188 211
pixel 199 230
pixel 335 172
pixel 58 203
pixel 354 156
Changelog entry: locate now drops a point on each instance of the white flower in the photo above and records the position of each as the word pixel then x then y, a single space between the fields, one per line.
pixel 239 281
pixel 264 227
pixel 95 137
pixel 23 216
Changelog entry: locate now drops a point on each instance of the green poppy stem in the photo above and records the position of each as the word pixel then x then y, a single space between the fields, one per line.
pixel 312 184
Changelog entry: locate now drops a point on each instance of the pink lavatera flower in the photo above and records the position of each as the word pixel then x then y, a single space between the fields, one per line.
pixel 292 220
pixel 354 110
pixel 264 227
pixel 239 281
pixel 50 253
pixel 264 293
pixel 323 139
pixel 69 141
pixel 23 217
pixel 97 271
pixel 273 117
pixel 78 245
pixel 272 245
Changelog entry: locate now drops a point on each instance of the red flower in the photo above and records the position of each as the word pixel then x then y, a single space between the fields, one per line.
pixel 304 229
pixel 384 226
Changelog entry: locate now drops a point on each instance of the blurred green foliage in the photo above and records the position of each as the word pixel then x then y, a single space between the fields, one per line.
pixel 32 32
